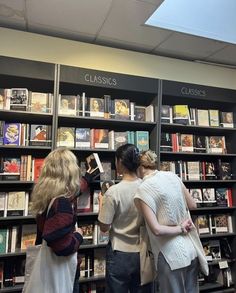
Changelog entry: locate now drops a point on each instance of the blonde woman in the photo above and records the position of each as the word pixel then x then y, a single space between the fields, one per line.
pixel 59 179
pixel 162 199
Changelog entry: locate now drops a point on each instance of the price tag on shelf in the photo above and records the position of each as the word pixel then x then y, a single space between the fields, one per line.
pixel 223 264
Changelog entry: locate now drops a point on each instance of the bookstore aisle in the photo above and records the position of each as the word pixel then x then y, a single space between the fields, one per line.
pixel 191 127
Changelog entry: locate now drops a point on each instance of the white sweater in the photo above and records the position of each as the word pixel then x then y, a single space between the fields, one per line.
pixel 162 192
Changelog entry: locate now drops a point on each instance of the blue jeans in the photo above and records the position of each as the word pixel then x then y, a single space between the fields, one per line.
pixel 123 272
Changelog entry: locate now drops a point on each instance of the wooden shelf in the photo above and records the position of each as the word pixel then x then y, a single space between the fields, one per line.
pixel 189 154
pixel 218 235
pixel 17 288
pixel 15 182
pixel 209 209
pixel 25 116
pixel 47 148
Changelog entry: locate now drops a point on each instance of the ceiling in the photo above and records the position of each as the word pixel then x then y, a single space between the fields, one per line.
pixel 114 23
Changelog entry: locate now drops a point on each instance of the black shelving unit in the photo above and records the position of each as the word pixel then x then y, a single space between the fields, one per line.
pixel 204 97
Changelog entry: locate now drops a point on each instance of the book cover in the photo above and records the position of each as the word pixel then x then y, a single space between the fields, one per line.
pixel 66 137
pixel 142 140
pixel 19 99
pixel 28 236
pixel 2 98
pixel 227 119
pixel 67 105
pixel 107 172
pixel 96 201
pixel 214 118
pixel 11 166
pixel 16 203
pixel 101 138
pixel 202 117
pixel 40 135
pixel 208 197
pixel 97 107
pixel 99 265
pixel 88 233
pixel 1 131
pixel 38 165
pixel 224 169
pixel 166 114
pixel 120 138
pixel 216 144
pixel 38 102
pixel 203 224
pixel 12 134
pixel 181 114
pixel 222 197
pixel 199 143
pixel 82 138
pixel 186 142
pixel 84 202
pixel 196 194
pixel 210 171
pixel 166 142
pixel 3 240
pixel 140 113
pixel 193 170
pixel 219 224
pixel 94 165
pixel 103 237
pixel 2 203
pixel 121 109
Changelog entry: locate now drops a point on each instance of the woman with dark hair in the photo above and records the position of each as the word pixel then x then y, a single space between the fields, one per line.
pixel 119 215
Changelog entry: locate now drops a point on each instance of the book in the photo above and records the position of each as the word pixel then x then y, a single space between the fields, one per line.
pixel 102 237
pixel 212 250
pixel 219 224
pixel 40 135
pixel 203 224
pixel 224 170
pixel 199 143
pixel 11 166
pixel 120 138
pixel 181 114
pixel 67 105
pixel 216 144
pixel 166 142
pixel 208 196
pixel 140 113
pixel 99 265
pixel 16 203
pixel 19 99
pixel 97 108
pixel 88 232
pixel 82 138
pixel 166 114
pixel 94 165
pixel 3 202
pixel 105 185
pixel 221 197
pixel 3 240
pixel 100 139
pixel 40 102
pixel 66 136
pixel 28 236
pixel 186 141
pixel 38 165
pixel 107 171
pixel 210 171
pixel 142 140
pixel 96 201
pixel 196 194
pixel 12 134
pixel 214 118
pixel 227 119
pixel 84 202
pixel 193 170
pixel 121 109
pixel 1 131
pixel 202 117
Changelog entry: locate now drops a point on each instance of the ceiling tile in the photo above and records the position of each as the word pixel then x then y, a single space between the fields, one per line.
pixel 12 14
pixel 189 46
pixel 71 15
pixel 226 55
pixel 125 23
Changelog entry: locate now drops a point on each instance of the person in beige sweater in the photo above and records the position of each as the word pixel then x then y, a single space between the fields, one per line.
pixel 164 201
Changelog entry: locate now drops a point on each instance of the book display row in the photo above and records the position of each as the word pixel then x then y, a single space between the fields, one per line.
pixel 192 138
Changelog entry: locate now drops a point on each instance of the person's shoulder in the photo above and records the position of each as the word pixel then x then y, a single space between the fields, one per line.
pixel 62 204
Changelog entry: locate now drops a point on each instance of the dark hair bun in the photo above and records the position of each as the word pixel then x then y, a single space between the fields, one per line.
pixel 129 156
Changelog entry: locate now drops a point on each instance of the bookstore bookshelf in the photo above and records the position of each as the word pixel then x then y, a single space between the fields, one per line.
pixel 197 144
pixel 191 127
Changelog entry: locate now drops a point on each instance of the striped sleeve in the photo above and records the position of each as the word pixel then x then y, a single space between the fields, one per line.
pixel 59 227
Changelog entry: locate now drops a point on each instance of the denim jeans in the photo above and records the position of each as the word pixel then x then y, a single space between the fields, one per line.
pixel 123 272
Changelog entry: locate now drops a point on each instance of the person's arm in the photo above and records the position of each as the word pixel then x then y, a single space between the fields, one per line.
pixel 189 200
pixel 59 228
pixel 106 212
pixel 158 229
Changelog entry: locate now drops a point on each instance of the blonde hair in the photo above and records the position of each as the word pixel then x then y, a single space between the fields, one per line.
pixel 148 159
pixel 59 176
